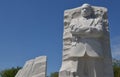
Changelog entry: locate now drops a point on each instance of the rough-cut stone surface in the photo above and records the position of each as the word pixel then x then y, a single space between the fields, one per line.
pixel 86 47
pixel 34 68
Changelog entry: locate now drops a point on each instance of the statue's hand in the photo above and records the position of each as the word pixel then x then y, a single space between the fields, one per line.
pixel 96 31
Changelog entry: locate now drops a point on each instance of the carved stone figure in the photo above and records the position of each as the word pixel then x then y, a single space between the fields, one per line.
pixel 86 48
pixel 34 68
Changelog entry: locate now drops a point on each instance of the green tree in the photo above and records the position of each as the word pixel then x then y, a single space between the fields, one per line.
pixel 10 72
pixel 116 67
pixel 55 74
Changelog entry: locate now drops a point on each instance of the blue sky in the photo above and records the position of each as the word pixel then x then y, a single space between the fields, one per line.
pixel 31 28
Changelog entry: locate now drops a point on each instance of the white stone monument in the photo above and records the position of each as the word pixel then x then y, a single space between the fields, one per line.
pixel 34 68
pixel 86 44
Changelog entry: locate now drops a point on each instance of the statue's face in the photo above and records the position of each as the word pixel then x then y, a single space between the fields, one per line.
pixel 86 11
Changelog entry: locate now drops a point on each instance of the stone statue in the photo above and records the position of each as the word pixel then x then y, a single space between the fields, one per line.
pixel 34 68
pixel 86 48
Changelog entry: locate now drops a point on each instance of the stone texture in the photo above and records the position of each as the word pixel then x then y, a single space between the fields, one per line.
pixel 86 45
pixel 34 68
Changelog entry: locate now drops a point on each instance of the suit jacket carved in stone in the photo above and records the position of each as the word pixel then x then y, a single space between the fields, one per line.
pixel 85 35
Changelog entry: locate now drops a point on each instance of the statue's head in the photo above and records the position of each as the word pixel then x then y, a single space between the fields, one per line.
pixel 86 10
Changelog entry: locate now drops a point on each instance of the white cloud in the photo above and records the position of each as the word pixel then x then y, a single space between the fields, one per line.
pixel 115 47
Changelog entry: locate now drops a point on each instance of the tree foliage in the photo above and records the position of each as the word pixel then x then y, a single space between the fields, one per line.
pixel 10 72
pixel 116 67
pixel 55 74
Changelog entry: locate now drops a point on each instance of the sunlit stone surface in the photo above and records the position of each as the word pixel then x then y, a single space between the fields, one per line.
pixel 34 68
pixel 86 47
